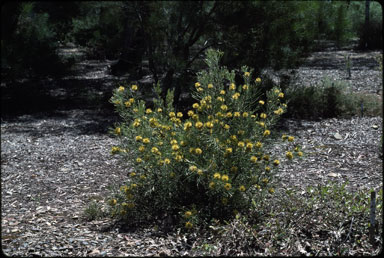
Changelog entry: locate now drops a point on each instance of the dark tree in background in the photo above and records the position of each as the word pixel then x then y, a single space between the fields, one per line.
pixel 167 39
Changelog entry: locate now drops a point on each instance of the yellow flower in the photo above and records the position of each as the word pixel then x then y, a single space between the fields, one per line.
pixel 175 147
pixel 199 172
pixel 118 130
pixel 155 150
pixel 261 102
pixel 271 190
pixel 212 185
pixel 236 95
pixel 246 74
pixel 224 107
pixel 197 84
pixel 266 133
pixel 254 159
pixel 263 115
pixel 139 160
pixel 241 144
pixel 159 110
pixel 267 169
pixel 199 125
pixel 289 155
pixel 249 146
pixel 195 105
pixel 222 92
pixel 121 88
pixel 210 86
pixel 187 125
pixel 115 150
pixel 242 188
pixel 259 145
pixel 245 87
pixel 208 125
pixel 245 114
pixel 258 80
pixel 276 162
pixel 188 214
pixel 227 186
pixel 225 178
pixel 193 168
pixel 281 95
pixel 136 123
pixel 198 151
pixel 217 175
pixel 172 114
pixel 127 104
pixel 134 87
pixel 131 100
pixel 221 99
pixel 200 89
pixel 279 111
pixel 179 114
pixel 146 140
pixel 167 161
pixel 226 126
pixel 113 202
pixel 228 150
pixel 148 111
pixel 188 225
pixel 284 137
pixel 232 86
pixel 142 148
pixel 178 157
pixel 236 114
pixel 266 157
pixel 291 138
pixel 132 174
pixel 265 180
pixel 300 153
pixel 138 138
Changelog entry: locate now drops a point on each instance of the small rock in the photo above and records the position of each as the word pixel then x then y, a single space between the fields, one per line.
pixel 333 174
pixel 337 136
pixel 375 127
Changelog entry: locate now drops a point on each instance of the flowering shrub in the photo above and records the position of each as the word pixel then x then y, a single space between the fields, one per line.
pixel 207 163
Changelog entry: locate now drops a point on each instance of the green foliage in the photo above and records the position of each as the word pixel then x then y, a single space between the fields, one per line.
pixel 373 33
pixel 329 99
pixel 93 211
pixel 100 26
pixel 30 50
pixel 212 164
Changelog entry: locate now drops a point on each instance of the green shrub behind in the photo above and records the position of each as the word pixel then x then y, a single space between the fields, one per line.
pixel 208 163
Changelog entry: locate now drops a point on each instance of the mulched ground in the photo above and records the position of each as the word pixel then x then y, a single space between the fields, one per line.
pixel 53 165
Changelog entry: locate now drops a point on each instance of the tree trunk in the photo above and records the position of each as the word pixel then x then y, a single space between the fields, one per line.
pixel 366 24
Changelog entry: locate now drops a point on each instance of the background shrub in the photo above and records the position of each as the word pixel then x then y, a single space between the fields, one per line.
pixel 330 99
